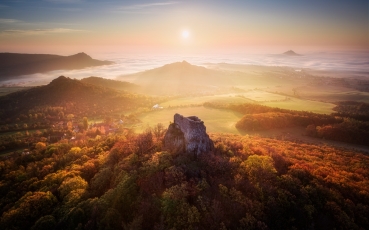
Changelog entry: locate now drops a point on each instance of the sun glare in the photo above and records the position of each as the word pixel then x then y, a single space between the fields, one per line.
pixel 185 34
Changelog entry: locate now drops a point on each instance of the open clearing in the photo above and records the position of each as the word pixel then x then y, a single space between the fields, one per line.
pixel 302 105
pixel 262 96
pixel 250 96
pixel 223 121
pixel 256 96
pixel 215 120
pixel 333 94
pixel 199 100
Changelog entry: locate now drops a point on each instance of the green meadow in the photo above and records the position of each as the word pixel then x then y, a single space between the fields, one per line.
pixel 216 120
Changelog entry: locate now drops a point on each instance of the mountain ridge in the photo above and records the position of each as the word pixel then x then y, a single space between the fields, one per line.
pixel 109 83
pixel 17 64
pixel 74 96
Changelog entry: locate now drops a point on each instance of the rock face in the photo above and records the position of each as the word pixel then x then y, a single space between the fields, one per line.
pixel 187 134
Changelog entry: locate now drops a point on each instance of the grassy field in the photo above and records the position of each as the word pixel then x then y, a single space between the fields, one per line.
pixel 256 96
pixel 247 97
pixel 215 120
pixel 226 98
pixel 343 94
pixel 302 105
pixel 262 96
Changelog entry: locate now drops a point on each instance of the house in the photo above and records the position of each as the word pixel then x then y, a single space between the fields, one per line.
pixel 156 106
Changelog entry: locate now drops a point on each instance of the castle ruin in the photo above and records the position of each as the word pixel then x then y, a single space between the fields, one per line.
pixel 187 134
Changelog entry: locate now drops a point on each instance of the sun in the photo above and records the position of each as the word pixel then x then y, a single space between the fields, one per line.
pixel 185 34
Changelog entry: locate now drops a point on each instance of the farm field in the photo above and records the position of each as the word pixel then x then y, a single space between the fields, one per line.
pixel 333 94
pixel 262 96
pixel 256 96
pixel 223 121
pixel 302 105
pixel 216 120
pixel 226 98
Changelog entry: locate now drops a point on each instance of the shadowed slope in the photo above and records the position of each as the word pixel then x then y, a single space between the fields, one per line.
pixel 112 84
pixel 13 64
pixel 67 92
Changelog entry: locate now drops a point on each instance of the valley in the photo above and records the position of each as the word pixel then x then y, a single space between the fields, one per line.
pixel 99 144
pixel 184 115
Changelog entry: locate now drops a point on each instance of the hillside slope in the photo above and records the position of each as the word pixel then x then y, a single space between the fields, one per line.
pixel 14 64
pixel 128 180
pixel 109 83
pixel 68 93
pixel 180 78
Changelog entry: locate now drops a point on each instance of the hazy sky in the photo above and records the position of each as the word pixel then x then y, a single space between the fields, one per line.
pixel 70 26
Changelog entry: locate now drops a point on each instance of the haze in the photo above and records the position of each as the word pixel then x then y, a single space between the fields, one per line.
pixel 184 114
pixel 181 27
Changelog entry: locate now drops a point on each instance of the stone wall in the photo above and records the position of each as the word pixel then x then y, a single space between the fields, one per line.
pixel 188 134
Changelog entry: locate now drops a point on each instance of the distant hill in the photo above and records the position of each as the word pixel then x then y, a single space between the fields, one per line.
pixel 112 84
pixel 69 93
pixel 291 53
pixel 179 78
pixel 14 64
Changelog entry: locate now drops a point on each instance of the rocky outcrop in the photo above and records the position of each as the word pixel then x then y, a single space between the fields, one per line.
pixel 187 134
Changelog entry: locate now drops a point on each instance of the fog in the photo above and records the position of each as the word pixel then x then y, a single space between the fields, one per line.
pixel 128 63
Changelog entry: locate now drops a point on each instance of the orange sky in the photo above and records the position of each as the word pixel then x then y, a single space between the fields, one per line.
pixel 70 26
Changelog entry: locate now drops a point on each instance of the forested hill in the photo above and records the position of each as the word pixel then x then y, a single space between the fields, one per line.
pixel 67 92
pixel 14 64
pixel 109 83
pixel 179 78
pixel 127 181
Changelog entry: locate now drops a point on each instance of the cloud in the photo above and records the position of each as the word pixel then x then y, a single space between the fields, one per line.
pixel 39 31
pixel 8 21
pixel 146 6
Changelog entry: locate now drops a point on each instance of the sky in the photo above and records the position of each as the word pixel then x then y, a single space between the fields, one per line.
pixel 183 26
